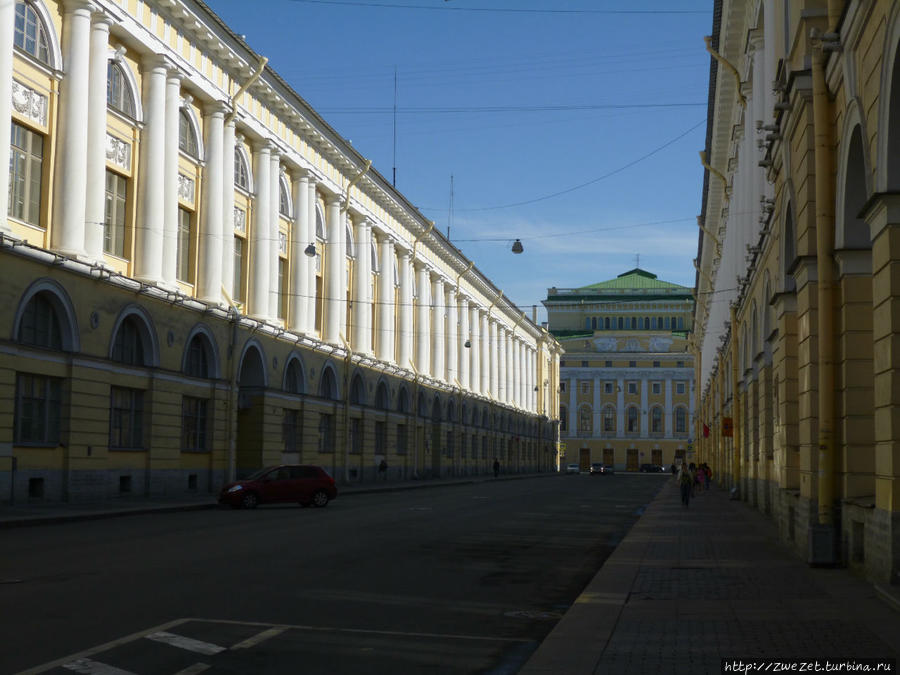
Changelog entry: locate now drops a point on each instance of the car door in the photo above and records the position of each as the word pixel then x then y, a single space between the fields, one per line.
pixel 305 483
pixel 276 485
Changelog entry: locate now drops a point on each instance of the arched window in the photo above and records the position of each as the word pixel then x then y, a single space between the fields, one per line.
pixel 680 421
pixel 293 378
pixel 609 419
pixel 328 385
pixel 632 424
pixel 197 358
pixel 656 420
pixel 30 33
pixel 118 91
pixel 680 323
pixel 382 401
pixel 421 407
pixel 40 325
pixel 284 197
pixel 653 323
pixel 451 411
pixel 594 323
pixel 621 323
pixel 585 420
pixel 634 323
pixel 358 391
pixel 241 171
pixel 187 136
pixel 587 323
pixel 606 323
pixel 403 401
pixel 128 346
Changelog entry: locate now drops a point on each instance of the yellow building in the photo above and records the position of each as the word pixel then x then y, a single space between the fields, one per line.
pixel 201 277
pixel 627 377
pixel 797 290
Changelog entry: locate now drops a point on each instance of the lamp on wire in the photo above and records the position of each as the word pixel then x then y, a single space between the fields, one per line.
pixel 310 250
pixel 517 246
pixel 468 344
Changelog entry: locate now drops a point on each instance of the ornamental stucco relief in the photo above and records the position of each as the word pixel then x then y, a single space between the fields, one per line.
pixel 26 101
pixel 118 152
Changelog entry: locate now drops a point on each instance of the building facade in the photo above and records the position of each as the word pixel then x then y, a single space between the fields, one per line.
pixel 627 376
pixel 202 277
pixel 797 291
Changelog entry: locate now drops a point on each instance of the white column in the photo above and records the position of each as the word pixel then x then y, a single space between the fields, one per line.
pixel 499 356
pixel 438 361
pixel 334 270
pixel 452 340
pixel 228 207
pixel 275 232
pixel 645 411
pixel 311 297
pixel 475 356
pixel 298 314
pixel 465 353
pixel 168 146
pixel 668 416
pixel 362 280
pixel 492 359
pixel 423 319
pixel 148 264
pixel 209 273
pixel 573 407
pixel 520 373
pixel 484 376
pixel 532 383
pixel 7 35
pixel 70 179
pixel 386 312
pixel 405 343
pixel 95 195
pixel 258 294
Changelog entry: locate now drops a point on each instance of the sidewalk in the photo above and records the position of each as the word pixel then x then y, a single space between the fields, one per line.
pixel 688 587
pixel 48 513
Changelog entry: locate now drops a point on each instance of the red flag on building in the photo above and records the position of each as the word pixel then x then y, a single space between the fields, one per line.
pixel 705 431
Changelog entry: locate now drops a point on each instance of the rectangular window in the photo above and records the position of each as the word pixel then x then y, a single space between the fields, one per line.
pixel 562 386
pixel 355 435
pixel 194 424
pixel 282 288
pixel 26 158
pixel 184 269
pixel 290 430
pixel 608 364
pixel 238 288
pixel 585 387
pixel 114 221
pixel 402 439
pixel 656 364
pixel 38 408
pixel 326 432
pixel 656 387
pixel 679 364
pixel 584 364
pixel 679 387
pixel 451 443
pixel 126 418
pixel 562 363
pixel 380 438
pixel 632 364
pixel 607 387
pixel 632 388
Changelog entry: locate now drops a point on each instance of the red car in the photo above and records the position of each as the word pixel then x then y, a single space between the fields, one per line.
pixel 304 484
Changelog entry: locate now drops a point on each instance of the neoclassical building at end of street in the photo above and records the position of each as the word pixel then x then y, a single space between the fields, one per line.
pixel 201 277
pixel 798 296
pixel 627 377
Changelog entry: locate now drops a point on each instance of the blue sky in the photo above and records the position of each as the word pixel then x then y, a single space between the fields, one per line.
pixel 573 125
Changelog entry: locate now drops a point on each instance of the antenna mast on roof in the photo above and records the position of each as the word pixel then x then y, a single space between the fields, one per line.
pixel 394 181
pixel 450 213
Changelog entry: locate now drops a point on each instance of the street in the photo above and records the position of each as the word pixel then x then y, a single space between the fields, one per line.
pixel 455 579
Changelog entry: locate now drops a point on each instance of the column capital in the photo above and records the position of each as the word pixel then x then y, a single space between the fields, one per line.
pixel 70 6
pixel 155 61
pixel 103 18
pixel 384 238
pixel 213 108
pixel 334 198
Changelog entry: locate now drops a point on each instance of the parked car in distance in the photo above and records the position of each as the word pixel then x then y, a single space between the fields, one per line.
pixel 597 467
pixel 651 468
pixel 573 468
pixel 304 484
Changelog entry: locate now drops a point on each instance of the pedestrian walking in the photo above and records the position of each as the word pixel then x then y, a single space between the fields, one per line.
pixel 699 474
pixel 382 468
pixel 707 474
pixel 496 468
pixel 686 484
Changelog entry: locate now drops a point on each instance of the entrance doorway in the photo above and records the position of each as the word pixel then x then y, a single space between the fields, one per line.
pixel 631 461
pixel 584 459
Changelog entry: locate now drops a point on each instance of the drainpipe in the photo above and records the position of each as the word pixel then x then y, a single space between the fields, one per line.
pixel 354 181
pixel 244 87
pixel 822 129
pixel 415 419
pixel 729 67
pixel 735 403
pixel 347 359
pixel 232 390
pixel 718 174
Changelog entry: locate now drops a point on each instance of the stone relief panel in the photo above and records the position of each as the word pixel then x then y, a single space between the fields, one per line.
pixel 606 344
pixel 185 188
pixel 118 152
pixel 26 101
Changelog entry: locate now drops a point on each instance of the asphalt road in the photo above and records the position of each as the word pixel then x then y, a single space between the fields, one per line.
pixel 456 579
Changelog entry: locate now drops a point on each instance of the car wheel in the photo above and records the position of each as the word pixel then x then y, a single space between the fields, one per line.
pixel 320 499
pixel 249 501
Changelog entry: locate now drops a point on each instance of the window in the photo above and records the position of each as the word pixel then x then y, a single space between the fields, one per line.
pixel 40 326
pixel 197 363
pixel 114 222
pixel 679 364
pixel 632 388
pixel 241 173
pixel 30 35
pixel 293 378
pixel 606 323
pixel 680 421
pixel 621 323
pixel 656 364
pixel 38 406
pixel 607 387
pixel 238 288
pixel 118 93
pixel 585 387
pixel 26 157
pixel 282 288
pixel 584 364
pixel 562 386
pixel 656 387
pixel 562 363
pixel 632 420
pixel 451 444
pixel 128 346
pixel 380 438
pixel 656 421
pixel 608 364
pixel 609 420
pixel 326 432
pixel 126 418
pixel 679 387
pixel 194 423
pixel 355 435
pixel 184 255
pixel 668 322
pixel 187 137
pixel 563 418
pixel 284 200
pixel 290 430
pixel 680 323
pixel 402 440
pixel 632 364
pixel 585 421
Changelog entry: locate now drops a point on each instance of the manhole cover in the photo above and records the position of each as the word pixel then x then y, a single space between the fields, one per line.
pixel 533 614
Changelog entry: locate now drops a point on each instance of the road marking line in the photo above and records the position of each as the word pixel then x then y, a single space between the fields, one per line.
pixel 94 668
pixel 198 667
pixel 259 637
pixel 183 642
pixel 102 648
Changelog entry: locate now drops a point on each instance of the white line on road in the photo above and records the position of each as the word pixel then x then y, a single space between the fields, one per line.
pixel 183 642
pixel 254 640
pixel 94 668
pixel 194 669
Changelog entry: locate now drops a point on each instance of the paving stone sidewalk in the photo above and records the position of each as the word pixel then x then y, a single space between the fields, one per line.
pixel 688 587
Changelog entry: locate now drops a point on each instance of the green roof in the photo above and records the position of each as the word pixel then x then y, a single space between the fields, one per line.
pixel 634 279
